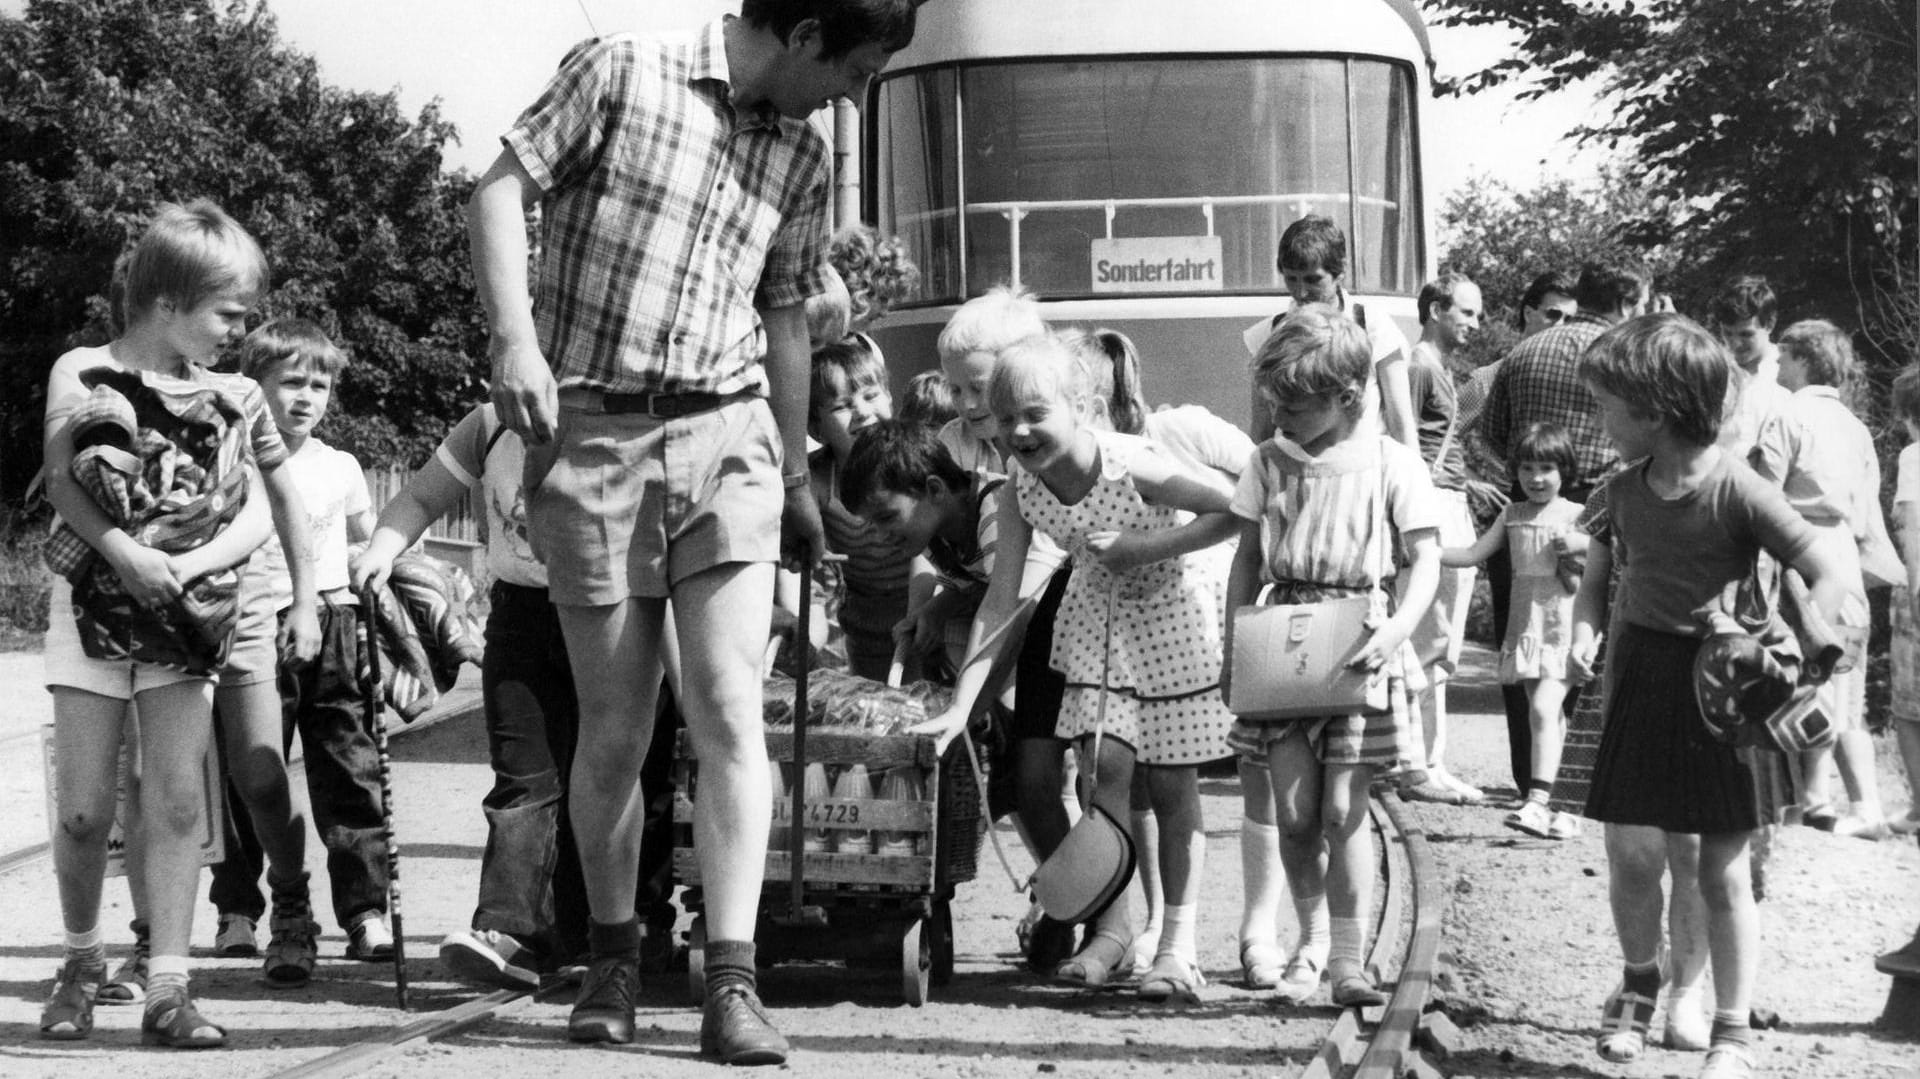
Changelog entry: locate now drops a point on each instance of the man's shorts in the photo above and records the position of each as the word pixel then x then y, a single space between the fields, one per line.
pixel 68 665
pixel 1437 637
pixel 626 505
pixel 255 653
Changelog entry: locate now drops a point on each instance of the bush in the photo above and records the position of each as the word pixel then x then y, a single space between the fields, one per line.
pixel 25 582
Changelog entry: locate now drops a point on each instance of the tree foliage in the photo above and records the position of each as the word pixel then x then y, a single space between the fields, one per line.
pixel 108 108
pixel 1768 136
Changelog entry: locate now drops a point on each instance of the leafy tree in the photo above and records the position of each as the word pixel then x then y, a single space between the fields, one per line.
pixel 1771 136
pixel 107 108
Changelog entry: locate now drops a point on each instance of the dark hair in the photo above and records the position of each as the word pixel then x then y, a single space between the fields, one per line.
pixel 1313 241
pixel 293 341
pixel 1547 442
pixel 1113 373
pixel 845 25
pixel 877 271
pixel 1743 297
pixel 1611 282
pixel 896 455
pixel 849 359
pixel 928 400
pixel 1543 286
pixel 1823 349
pixel 1906 395
pixel 1439 291
pixel 1666 365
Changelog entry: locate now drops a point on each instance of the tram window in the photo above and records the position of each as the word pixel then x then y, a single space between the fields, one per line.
pixel 1047 145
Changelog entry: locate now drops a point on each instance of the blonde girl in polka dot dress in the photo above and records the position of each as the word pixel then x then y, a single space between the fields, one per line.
pixel 1138 633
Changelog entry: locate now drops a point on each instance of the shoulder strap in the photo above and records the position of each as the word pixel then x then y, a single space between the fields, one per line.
pixel 491 439
pixel 1359 313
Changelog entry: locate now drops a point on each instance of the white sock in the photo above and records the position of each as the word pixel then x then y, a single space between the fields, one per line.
pixel 167 965
pixel 1178 931
pixel 1262 877
pixel 1349 944
pixel 1316 935
pixel 88 947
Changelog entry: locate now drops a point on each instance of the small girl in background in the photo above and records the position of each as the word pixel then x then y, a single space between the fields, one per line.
pixel 1315 505
pixel 877 274
pixel 1137 636
pixel 1687 521
pixel 1535 534
pixel 928 401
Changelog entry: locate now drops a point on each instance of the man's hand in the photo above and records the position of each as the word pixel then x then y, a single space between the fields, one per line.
pixel 803 539
pixel 525 396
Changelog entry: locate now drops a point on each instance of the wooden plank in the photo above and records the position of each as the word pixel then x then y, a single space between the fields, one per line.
pixel 829 746
pixel 841 814
pixel 823 868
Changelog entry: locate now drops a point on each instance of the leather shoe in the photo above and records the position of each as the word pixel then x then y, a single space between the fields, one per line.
pixel 735 1028
pixel 603 1012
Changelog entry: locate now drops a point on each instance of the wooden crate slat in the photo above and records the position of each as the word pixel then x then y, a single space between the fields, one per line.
pixel 842 814
pixel 822 868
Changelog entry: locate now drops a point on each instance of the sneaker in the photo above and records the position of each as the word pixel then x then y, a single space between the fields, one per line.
pixel 1727 1062
pixel 1902 962
pixel 604 1010
pixel 734 1027
pixel 1472 795
pixel 294 946
pixel 237 938
pixel 369 940
pixel 68 1013
pixel 129 982
pixel 490 957
pixel 1858 826
pixel 1534 818
pixel 1565 826
pixel 1906 824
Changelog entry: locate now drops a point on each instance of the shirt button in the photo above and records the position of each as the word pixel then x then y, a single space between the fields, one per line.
pixel 680 338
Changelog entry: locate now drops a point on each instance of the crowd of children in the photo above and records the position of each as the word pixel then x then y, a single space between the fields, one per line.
pixel 1073 561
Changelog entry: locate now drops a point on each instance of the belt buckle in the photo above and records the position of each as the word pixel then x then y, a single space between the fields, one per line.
pixel 653 407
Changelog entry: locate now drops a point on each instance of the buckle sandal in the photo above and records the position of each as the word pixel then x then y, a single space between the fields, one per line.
pixel 68 1014
pixel 129 982
pixel 1356 990
pixel 1727 1062
pixel 1300 979
pixel 293 948
pixel 171 1021
pixel 1623 1026
pixel 1261 964
pixel 1091 968
pixel 1171 978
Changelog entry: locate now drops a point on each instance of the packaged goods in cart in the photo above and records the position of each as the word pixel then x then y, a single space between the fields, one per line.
pixel 777 836
pixel 840 701
pixel 851 785
pixel 817 789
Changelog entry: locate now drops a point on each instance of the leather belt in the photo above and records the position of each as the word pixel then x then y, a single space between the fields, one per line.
pixel 664 406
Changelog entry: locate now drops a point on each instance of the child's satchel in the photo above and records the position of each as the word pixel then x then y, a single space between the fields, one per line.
pixel 1290 661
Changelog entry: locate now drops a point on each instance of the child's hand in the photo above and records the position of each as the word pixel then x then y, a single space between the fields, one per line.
pixel 148 576
pixel 1117 551
pixel 943 727
pixel 1580 659
pixel 370 568
pixel 299 636
pixel 1388 636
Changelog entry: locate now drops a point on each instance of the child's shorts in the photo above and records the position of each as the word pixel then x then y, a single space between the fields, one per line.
pixel 1354 739
pixel 623 505
pixel 255 653
pixel 1905 655
pixel 68 665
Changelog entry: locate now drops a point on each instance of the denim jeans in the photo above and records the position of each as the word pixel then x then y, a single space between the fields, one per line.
pixel 530 879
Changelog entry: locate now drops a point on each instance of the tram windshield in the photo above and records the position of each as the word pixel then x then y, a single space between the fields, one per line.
pixel 1155 176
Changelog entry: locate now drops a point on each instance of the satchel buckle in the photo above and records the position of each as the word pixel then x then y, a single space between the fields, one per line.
pixel 1299 627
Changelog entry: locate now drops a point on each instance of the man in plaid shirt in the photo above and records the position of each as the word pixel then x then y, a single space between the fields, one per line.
pixel 659 378
pixel 1539 380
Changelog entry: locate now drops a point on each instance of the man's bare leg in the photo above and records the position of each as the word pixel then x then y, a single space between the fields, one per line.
pixel 722 617
pixel 614 651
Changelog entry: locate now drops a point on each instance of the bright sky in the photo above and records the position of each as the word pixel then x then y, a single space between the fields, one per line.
pixel 487 59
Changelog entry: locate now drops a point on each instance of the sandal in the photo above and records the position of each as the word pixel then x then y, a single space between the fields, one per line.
pixel 171 1021
pixel 1623 1026
pixel 1171 978
pixel 1300 979
pixel 1091 968
pixel 1357 991
pixel 68 1014
pixel 1261 964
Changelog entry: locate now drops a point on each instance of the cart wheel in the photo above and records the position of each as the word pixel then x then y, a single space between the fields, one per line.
pixel 697 959
pixel 916 962
pixel 942 944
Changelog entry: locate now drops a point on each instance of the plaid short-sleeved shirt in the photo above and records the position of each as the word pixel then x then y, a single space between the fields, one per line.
pixel 666 217
pixel 1539 382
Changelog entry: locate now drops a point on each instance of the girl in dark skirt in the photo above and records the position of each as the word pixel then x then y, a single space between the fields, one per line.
pixel 1687 520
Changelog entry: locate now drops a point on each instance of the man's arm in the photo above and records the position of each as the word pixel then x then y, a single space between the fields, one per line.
pixel 525 395
pixel 788 359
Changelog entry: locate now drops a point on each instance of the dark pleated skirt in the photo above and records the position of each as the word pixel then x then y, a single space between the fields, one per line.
pixel 1656 764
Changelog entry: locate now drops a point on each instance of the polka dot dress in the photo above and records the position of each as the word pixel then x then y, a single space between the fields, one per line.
pixel 1162 664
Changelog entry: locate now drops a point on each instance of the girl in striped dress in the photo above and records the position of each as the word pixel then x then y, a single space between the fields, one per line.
pixel 1318 504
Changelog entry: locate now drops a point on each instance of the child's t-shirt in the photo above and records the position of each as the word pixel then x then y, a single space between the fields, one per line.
pixel 973 566
pixel 332 488
pixel 65 391
pixel 970 453
pixel 1318 515
pixel 1677 554
pixel 488 458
